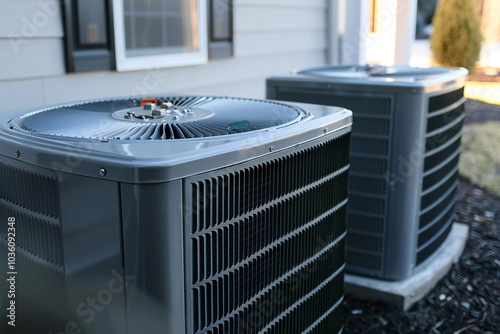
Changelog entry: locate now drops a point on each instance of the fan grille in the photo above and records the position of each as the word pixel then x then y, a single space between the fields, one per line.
pixel 207 117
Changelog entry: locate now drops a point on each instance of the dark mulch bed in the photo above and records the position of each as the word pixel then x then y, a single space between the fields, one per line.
pixel 467 300
pixel 480 112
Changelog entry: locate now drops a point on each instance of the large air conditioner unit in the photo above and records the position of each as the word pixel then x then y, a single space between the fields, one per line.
pixel 407 126
pixel 180 214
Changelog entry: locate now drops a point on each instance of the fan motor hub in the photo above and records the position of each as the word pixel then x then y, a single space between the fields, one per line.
pixel 161 115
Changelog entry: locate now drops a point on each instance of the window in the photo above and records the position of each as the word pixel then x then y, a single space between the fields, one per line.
pixel 158 33
pixel 140 34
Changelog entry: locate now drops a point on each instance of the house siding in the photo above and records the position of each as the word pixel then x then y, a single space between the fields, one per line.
pixel 270 37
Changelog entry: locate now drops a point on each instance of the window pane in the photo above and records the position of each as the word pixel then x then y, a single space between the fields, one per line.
pixel 148 5
pixel 160 27
pixel 148 32
pixel 127 5
pixel 175 32
pixel 92 22
pixel 221 23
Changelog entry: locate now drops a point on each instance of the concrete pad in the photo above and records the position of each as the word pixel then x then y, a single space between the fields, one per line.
pixel 403 294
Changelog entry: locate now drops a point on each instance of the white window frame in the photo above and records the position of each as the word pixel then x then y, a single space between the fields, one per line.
pixel 124 63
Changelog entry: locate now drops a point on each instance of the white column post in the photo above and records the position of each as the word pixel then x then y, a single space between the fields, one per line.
pixel 334 32
pixel 405 30
pixel 356 32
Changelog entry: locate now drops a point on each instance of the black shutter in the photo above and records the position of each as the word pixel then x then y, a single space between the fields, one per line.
pixel 89 37
pixel 220 29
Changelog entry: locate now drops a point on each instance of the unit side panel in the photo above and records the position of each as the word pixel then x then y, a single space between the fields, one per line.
pixel 153 257
pixel 405 183
pixel 92 234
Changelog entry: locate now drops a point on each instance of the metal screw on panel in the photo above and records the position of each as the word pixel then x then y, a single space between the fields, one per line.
pixel 102 172
pixel 18 153
pixel 271 148
pixel 325 131
pixel 175 118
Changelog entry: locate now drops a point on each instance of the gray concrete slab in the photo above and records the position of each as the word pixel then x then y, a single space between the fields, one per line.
pixel 403 294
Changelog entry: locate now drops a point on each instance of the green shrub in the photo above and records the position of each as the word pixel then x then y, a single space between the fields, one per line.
pixel 456 40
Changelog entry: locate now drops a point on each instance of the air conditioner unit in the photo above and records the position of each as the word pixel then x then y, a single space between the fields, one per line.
pixel 405 146
pixel 180 214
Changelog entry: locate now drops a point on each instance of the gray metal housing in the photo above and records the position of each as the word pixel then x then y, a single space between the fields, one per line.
pixel 407 125
pixel 195 235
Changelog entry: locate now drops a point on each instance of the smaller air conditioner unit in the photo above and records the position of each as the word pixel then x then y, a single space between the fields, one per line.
pixel 407 126
pixel 179 214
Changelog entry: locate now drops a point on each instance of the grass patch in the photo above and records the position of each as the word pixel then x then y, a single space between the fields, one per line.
pixel 480 157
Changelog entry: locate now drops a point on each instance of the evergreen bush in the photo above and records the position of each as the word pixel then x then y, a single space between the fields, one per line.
pixel 456 40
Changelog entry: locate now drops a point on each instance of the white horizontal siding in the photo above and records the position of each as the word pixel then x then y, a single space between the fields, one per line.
pixel 252 88
pixel 213 77
pixel 31 58
pixel 21 94
pixel 280 42
pixel 272 18
pixel 30 19
pixel 271 37
pixel 31 34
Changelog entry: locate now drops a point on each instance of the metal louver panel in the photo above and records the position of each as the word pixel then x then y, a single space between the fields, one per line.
pixel 369 149
pixel 32 198
pixel 440 174
pixel 265 244
pixel 445 100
